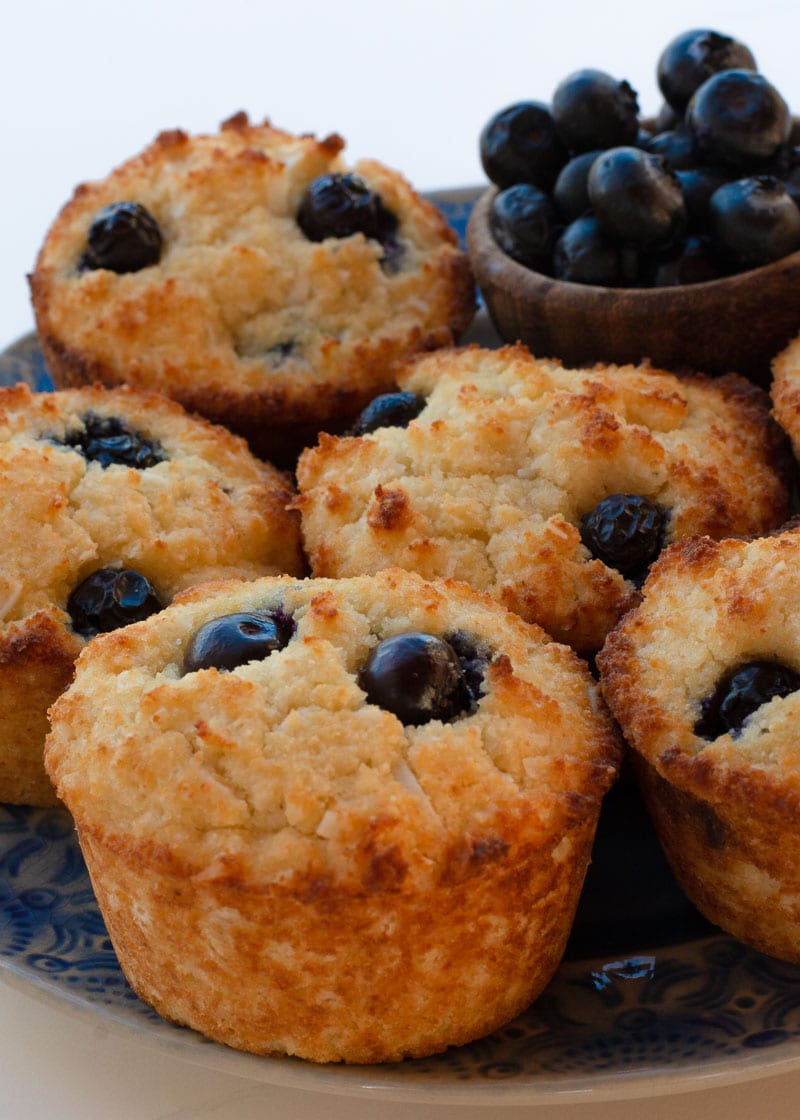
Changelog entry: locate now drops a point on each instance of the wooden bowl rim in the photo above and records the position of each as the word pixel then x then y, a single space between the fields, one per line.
pixel 485 251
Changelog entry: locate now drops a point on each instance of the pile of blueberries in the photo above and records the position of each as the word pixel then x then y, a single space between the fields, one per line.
pixel 591 193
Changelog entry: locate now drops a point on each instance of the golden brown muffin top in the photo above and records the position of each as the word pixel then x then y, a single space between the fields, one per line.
pixel 207 509
pixel 710 608
pixel 281 767
pixel 243 313
pixel 491 480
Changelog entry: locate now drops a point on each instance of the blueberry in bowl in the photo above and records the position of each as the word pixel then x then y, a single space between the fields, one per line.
pixel 673 238
pixel 732 323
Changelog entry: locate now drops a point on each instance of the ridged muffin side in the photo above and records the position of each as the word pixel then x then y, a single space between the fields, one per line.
pixel 286 866
pixel 725 799
pixel 207 509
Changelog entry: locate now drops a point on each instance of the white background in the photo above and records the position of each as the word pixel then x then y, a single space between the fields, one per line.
pixel 83 86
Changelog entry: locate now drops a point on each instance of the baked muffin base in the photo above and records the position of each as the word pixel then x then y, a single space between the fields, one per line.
pixel 361 998
pixel 289 868
pixel 726 809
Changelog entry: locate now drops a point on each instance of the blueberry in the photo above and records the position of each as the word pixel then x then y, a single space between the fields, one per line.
pixel 754 221
pixel 474 656
pixel 234 639
pixel 740 693
pixel 666 118
pixel 389 410
pixel 585 255
pixel 110 598
pixel 697 186
pixel 417 677
pixel 626 532
pixel 787 170
pixel 108 440
pixel 280 351
pixel 675 148
pixel 694 56
pixel 525 224
pixel 571 190
pixel 339 205
pixel 738 119
pixel 520 145
pixel 636 197
pixel 593 110
pixel 124 237
pixel 692 261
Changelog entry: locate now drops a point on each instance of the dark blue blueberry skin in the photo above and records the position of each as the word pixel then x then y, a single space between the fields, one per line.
pixel 692 261
pixel 571 190
pixel 675 148
pixel 474 656
pixel 666 118
pixel 520 145
pixel 626 532
pixel 124 237
pixel 339 205
pixel 234 639
pixel 108 440
pixel 786 168
pixel 740 693
pixel 389 410
pixel 637 198
pixel 110 598
pixel 739 120
pixel 754 221
pixel 417 677
pixel 585 255
pixel 692 57
pixel 698 184
pixel 525 224
pixel 593 110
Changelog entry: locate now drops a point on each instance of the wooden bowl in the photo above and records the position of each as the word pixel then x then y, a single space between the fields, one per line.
pixel 736 324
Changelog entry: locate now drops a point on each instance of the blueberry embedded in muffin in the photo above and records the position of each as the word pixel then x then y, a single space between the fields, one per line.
pixel 112 501
pixel 704 679
pixel 358 770
pixel 278 314
pixel 123 237
pixel 552 489
pixel 108 439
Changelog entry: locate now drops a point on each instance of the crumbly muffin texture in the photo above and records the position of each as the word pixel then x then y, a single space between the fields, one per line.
pixel 280 860
pixel 243 318
pixel 207 509
pixel 726 802
pixel 785 390
pixel 490 482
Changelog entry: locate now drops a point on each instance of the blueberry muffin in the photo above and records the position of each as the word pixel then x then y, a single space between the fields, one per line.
pixel 251 276
pixel 704 678
pixel 345 820
pixel 112 501
pixel 552 489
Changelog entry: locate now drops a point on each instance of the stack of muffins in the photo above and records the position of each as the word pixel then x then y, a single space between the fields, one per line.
pixel 311 783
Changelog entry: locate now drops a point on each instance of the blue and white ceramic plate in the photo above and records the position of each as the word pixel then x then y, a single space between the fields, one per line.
pixel 650 999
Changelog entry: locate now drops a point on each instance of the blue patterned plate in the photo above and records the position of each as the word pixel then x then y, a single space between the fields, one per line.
pixel 650 999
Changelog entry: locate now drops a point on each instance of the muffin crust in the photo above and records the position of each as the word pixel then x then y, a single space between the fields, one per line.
pixel 244 319
pixel 490 482
pixel 726 810
pixel 287 867
pixel 209 509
